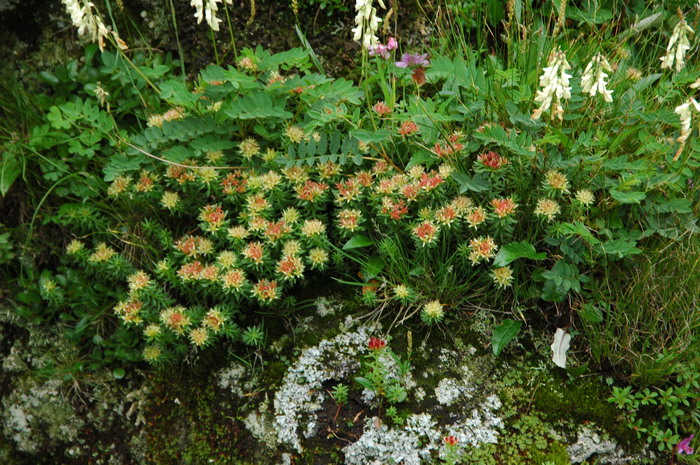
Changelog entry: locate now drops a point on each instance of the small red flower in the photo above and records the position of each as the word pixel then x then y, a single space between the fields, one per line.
pixel 492 160
pixel 450 440
pixel 376 344
pixel 407 128
pixel 382 108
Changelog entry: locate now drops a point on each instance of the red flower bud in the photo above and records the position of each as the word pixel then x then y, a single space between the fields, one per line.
pixel 450 440
pixel 376 343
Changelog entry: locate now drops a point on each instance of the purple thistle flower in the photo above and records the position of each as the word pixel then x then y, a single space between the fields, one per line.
pixel 683 447
pixel 413 60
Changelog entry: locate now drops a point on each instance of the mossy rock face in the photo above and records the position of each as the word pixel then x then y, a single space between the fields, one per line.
pixel 230 404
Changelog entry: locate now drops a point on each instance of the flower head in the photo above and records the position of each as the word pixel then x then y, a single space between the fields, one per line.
pixel 376 344
pixel 151 353
pixel 677 47
pixel 481 248
pixel 450 440
pixel 408 60
pixel 492 160
pixel 407 128
pixel 502 277
pixel 366 23
pixel 593 80
pixel 318 257
pixel 555 86
pixel 503 207
pixel 556 181
pixel 434 309
pixel 585 197
pixel 74 247
pixel 199 336
pixel 683 447
pixel 547 208
pixel 426 232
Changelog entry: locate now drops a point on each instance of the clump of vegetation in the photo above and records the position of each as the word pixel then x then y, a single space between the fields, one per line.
pixel 545 189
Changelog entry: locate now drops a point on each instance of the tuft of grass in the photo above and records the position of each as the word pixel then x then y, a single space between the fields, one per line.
pixel 653 323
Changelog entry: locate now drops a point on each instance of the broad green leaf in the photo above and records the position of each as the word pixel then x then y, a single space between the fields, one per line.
pixel 357 242
pixel 371 136
pixel 503 334
pixel 365 383
pixel 621 247
pixel 628 197
pixel 118 373
pixel 515 250
pixel 257 105
pixel 372 268
pixel 176 93
pixel 675 205
pixel 476 183
pixel 420 158
pixel 9 170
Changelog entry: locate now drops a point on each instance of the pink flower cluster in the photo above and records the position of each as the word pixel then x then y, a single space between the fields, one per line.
pixel 382 50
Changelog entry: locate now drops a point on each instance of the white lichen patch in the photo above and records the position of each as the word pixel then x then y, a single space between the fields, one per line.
pixel 415 442
pixel 325 307
pixel 237 379
pixel 591 443
pixel 408 445
pixel 302 394
pixel 480 426
pixel 40 412
pixel 449 390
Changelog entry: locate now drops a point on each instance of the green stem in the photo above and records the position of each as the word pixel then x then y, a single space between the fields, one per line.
pixel 230 30
pixel 177 39
pixel 213 42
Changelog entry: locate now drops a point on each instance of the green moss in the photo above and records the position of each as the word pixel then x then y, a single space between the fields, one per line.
pixel 188 424
pixel 582 400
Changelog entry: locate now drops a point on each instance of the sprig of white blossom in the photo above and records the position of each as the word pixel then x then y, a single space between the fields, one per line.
pixel 367 23
pixel 594 77
pixel 685 113
pixel 206 10
pixel 677 46
pixel 85 17
pixel 555 86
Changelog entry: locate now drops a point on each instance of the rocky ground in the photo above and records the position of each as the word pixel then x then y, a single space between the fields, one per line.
pixel 276 406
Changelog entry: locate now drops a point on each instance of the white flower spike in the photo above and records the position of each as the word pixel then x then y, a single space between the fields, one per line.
pixel 677 46
pixel 594 78
pixel 555 86
pixel 206 10
pixel 685 114
pixel 85 17
pixel 366 23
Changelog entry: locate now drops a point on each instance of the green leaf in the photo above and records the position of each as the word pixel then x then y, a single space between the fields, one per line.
pixel 420 158
pixel 118 373
pixel 503 334
pixel 476 183
pixel 621 247
pixel 176 93
pixel 515 250
pixel 371 136
pixel 675 205
pixel 628 197
pixel 357 242
pixel 372 268
pixel 257 105
pixel 9 170
pixel 365 383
